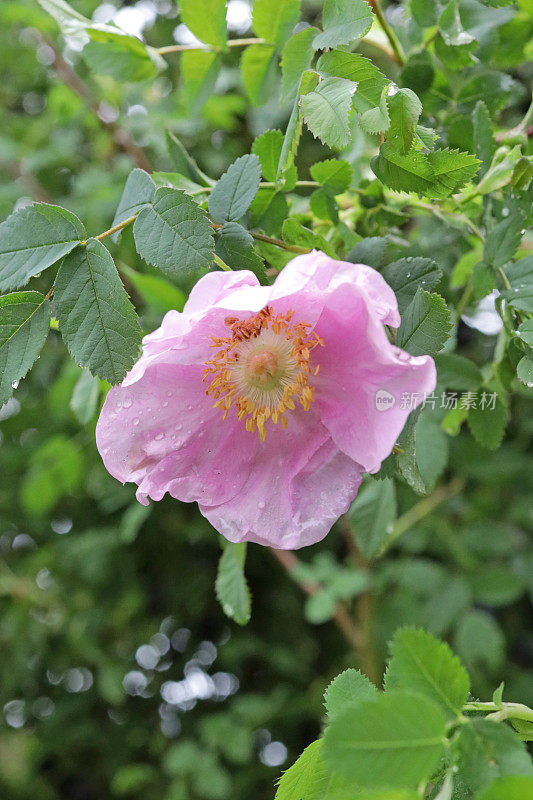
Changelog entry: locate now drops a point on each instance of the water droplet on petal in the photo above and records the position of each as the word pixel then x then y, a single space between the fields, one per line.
pixel 126 403
pixel 136 421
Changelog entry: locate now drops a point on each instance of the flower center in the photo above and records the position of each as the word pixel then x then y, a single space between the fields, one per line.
pixel 262 368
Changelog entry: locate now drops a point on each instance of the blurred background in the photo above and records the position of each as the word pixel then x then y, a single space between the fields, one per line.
pixel 119 674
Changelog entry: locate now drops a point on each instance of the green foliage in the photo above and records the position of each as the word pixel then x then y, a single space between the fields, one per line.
pixel 274 20
pixel 372 515
pixel 233 193
pixel 96 318
pixel 231 587
pixel 33 239
pixel 406 275
pixel 125 58
pixel 343 21
pixel 24 325
pixel 425 325
pixel 326 111
pixel 347 689
pixel 206 19
pixel 297 56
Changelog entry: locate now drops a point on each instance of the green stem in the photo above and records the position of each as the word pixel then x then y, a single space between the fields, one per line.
pixel 505 711
pixel 180 48
pixel 115 228
pixel 397 49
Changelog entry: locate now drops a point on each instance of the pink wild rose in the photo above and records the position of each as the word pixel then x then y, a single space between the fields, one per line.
pixel 265 404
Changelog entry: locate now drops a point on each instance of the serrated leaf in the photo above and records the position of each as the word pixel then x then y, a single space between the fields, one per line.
pixel 407 275
pixel 370 251
pixel 326 110
pixel 308 82
pixel 235 190
pixel 347 690
pixel 344 21
pixel 520 276
pixel 24 326
pixel 407 460
pixel 138 191
pixel 235 247
pixel 394 740
pixel 524 370
pixel 451 170
pixel 34 238
pixel 432 447
pixel 267 148
pixel 355 67
pixel 503 241
pixel 231 586
pixel 85 398
pixel 273 20
pixel 96 319
pixel 404 112
pixel 324 206
pixel 333 174
pixel 488 424
pixel 525 331
pixel 376 120
pixel 257 63
pixel 199 71
pixel 184 163
pixel 307 778
pixel 174 233
pixel 296 58
pixel 421 663
pixel 206 19
pixel 425 325
pixel 372 515
pixel 123 57
pixel 268 211
pixel 402 173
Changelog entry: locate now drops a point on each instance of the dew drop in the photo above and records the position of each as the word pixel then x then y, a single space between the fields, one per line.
pixel 164 403
pixel 126 403
pixel 261 504
pixel 136 421
pixel 159 436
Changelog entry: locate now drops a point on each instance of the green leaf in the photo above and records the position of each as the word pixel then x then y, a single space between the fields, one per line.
pixel 503 241
pixel 34 238
pixel 268 211
pixel 425 325
pixel 24 326
pixel 488 424
pixel 85 397
pixel 231 587
pixel 184 163
pixel 404 111
pixel 257 64
pixel 267 148
pixel 407 460
pixel 326 110
pixel 525 331
pixel 480 641
pixel 484 144
pixel 403 173
pixel 421 663
pixel 235 190
pixel 344 22
pixel 372 515
pixel 524 370
pixel 425 12
pixel 370 251
pixel 123 57
pixel 324 206
pixel 520 276
pixel 451 170
pixel 308 777
pixel 296 58
pixel 174 233
pixel 489 751
pixel 199 71
pixel 347 690
pixel 158 293
pixel 394 740
pixel 457 372
pixel 273 20
pixel 235 247
pixel 376 120
pixel 138 191
pixel 501 170
pixel 295 233
pixel 406 275
pixel 308 82
pixel 96 319
pixel 451 27
pixel 206 19
pixel 355 67
pixel 55 470
pixel 513 787
pixel 334 175
pixel 432 447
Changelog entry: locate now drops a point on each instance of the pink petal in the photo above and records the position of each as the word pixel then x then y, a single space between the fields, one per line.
pixel 299 485
pixel 357 362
